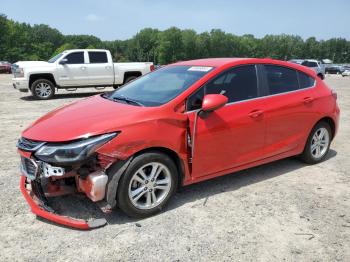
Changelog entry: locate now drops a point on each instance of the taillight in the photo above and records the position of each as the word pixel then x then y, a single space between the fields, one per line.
pixel 151 68
pixel 334 94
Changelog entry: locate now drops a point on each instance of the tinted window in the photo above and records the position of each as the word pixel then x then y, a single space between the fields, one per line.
pixel 162 85
pixel 75 58
pixel 98 57
pixel 237 84
pixel 281 79
pixel 305 81
pixel 310 64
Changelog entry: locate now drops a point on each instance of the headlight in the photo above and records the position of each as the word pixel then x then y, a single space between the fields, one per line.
pixel 19 72
pixel 68 154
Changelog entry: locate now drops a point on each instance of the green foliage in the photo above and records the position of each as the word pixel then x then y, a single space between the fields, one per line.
pixel 20 41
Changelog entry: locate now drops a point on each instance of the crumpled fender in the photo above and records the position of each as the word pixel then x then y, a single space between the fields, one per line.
pixel 114 173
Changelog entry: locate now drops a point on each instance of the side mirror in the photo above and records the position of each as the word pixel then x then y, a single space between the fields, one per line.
pixel 213 102
pixel 63 61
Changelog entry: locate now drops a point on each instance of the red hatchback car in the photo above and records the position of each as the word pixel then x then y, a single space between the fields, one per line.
pixel 184 123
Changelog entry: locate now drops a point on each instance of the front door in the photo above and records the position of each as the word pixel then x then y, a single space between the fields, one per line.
pixel 74 72
pixel 233 135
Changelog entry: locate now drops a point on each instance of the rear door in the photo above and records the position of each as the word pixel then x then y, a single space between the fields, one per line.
pixel 100 68
pixel 289 108
pixel 233 135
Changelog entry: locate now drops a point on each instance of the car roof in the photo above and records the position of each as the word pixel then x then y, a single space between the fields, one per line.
pixel 226 62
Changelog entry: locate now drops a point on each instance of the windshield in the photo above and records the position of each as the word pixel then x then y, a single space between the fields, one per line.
pixel 160 86
pixel 53 59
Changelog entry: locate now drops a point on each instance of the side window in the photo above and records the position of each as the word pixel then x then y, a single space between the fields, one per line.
pixel 75 58
pixel 305 81
pixel 281 79
pixel 98 57
pixel 195 100
pixel 238 84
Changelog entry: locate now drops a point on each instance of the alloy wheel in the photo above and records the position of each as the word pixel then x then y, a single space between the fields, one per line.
pixel 149 185
pixel 319 143
pixel 43 90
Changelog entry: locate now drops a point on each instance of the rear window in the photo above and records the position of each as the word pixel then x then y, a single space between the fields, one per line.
pixel 281 79
pixel 310 64
pixel 305 81
pixel 98 57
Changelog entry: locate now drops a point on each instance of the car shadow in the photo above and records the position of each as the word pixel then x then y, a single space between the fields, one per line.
pixel 79 206
pixel 65 96
pixel 231 182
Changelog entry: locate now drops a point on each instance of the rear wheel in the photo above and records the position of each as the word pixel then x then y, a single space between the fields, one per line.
pixel 147 185
pixel 318 143
pixel 129 79
pixel 43 89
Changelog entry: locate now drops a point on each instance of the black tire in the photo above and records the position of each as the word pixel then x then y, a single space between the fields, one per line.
pixel 129 79
pixel 49 87
pixel 321 76
pixel 123 199
pixel 307 156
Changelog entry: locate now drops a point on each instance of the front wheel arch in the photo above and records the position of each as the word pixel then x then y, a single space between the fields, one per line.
pixel 116 171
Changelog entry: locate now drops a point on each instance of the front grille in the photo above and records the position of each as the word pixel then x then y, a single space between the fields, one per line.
pixel 29 168
pixel 28 145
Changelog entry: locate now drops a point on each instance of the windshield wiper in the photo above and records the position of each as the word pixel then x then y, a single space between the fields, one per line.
pixel 127 99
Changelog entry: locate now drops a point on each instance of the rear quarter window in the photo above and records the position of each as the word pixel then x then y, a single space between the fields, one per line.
pixel 305 81
pixel 281 79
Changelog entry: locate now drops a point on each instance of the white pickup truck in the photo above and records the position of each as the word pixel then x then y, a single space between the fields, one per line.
pixel 74 69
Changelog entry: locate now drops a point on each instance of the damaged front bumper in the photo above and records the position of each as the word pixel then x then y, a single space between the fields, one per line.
pixel 33 192
pixel 39 206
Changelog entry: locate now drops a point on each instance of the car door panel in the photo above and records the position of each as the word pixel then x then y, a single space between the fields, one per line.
pixel 227 138
pixel 73 73
pixel 100 70
pixel 288 116
pixel 233 135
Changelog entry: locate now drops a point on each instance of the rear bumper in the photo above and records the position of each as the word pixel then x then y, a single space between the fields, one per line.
pixel 20 84
pixel 41 209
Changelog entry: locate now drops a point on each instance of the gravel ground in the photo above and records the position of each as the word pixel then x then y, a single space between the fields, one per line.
pixel 285 210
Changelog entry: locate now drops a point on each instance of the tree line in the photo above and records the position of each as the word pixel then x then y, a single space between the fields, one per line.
pixel 22 41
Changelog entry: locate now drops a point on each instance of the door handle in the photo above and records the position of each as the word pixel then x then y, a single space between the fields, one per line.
pixel 83 67
pixel 308 100
pixel 256 113
pixel 108 67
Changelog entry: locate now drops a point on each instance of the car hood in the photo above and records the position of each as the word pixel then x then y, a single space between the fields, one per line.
pixel 91 116
pixel 25 64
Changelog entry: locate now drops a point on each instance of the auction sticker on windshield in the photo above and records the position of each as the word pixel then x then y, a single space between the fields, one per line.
pixel 200 68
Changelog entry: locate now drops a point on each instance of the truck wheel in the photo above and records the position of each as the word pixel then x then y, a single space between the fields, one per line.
pixel 147 184
pixel 129 79
pixel 43 89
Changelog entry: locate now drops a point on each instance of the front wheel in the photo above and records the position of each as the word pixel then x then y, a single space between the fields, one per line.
pixel 318 143
pixel 43 89
pixel 147 185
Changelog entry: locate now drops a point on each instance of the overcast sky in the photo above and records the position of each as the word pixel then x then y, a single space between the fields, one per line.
pixel 121 19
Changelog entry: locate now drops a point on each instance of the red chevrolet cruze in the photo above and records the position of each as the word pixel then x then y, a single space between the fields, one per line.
pixel 184 123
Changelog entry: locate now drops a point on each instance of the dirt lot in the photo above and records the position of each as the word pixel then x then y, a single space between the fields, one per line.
pixel 281 211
